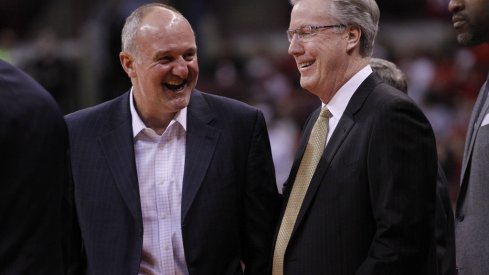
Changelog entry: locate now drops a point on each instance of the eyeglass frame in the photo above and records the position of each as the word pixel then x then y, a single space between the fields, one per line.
pixel 312 30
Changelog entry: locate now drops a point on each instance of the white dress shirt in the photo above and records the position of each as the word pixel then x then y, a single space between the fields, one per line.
pixel 160 163
pixel 338 103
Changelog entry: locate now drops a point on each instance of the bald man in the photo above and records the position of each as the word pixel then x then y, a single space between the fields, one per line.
pixel 168 179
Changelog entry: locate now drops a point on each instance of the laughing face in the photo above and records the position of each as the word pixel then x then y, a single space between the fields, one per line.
pixel 470 20
pixel 321 58
pixel 164 68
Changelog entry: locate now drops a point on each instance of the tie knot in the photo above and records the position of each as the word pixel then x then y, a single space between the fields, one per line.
pixel 325 112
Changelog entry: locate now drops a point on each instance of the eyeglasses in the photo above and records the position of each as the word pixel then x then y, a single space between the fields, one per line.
pixel 308 31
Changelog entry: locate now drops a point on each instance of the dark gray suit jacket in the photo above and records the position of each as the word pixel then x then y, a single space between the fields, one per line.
pixel 370 205
pixel 472 210
pixel 229 199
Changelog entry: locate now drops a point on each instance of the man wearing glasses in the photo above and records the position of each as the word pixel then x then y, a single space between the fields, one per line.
pixel 360 197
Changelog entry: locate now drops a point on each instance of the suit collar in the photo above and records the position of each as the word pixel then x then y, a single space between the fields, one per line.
pixel 201 141
pixel 480 108
pixel 338 103
pixel 117 145
pixel 138 124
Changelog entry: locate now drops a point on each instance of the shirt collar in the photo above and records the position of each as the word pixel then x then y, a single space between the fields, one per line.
pixel 338 103
pixel 138 124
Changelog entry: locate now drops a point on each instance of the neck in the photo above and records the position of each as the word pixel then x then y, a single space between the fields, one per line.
pixel 153 118
pixel 343 76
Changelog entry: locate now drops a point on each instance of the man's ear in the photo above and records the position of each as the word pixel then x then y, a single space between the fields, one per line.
pixel 354 33
pixel 127 62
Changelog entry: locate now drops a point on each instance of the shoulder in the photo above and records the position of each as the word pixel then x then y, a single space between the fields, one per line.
pixel 222 106
pixel 385 93
pixel 384 98
pixel 29 116
pixel 379 104
pixel 226 103
pixel 394 114
pixel 25 103
pixel 95 114
pixel 21 92
pixel 226 114
pixel 391 99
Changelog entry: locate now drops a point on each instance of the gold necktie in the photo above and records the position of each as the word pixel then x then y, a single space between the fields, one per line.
pixel 309 162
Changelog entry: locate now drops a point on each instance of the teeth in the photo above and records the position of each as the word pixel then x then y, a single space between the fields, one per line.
pixel 174 83
pixel 306 64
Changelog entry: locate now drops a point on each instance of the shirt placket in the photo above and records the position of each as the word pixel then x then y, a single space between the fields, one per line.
pixel 163 201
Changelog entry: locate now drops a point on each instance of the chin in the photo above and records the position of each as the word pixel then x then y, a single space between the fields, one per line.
pixel 466 39
pixel 306 83
pixel 182 102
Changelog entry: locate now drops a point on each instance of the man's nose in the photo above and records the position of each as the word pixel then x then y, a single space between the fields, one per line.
pixel 180 68
pixel 294 47
pixel 455 5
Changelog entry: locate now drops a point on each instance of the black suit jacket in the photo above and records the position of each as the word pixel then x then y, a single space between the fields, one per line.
pixel 229 201
pixel 370 205
pixel 33 142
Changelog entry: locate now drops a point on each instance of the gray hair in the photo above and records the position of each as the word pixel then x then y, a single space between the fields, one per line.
pixel 133 22
pixel 390 73
pixel 364 14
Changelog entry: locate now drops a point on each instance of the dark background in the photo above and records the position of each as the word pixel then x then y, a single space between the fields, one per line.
pixel 72 48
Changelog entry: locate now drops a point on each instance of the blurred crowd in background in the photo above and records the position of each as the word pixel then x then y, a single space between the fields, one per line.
pixel 71 48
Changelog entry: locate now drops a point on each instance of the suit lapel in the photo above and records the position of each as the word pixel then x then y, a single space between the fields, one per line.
pixel 118 146
pixel 200 146
pixel 341 131
pixel 480 108
pixel 474 125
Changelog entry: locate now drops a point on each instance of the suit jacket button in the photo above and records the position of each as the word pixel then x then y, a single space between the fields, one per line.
pixel 460 218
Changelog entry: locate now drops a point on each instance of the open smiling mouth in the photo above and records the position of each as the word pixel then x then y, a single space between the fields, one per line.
pixel 175 86
pixel 305 64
